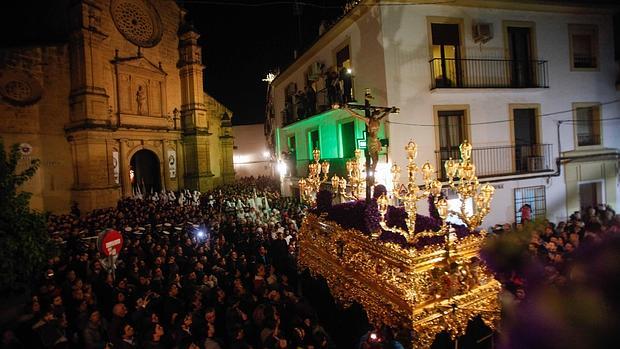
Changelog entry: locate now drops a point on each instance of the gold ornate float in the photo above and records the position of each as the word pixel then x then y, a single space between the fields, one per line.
pixel 435 288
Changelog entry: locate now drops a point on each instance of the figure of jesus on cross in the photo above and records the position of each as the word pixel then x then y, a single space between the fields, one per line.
pixel 372 118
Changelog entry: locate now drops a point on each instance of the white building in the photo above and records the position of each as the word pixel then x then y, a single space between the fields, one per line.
pixel 531 85
pixel 251 156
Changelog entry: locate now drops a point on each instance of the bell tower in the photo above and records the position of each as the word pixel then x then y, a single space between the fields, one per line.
pixel 195 126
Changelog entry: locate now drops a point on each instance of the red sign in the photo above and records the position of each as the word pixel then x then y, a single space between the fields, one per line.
pixel 111 243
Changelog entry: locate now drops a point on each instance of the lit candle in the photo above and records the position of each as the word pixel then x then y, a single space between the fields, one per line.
pixel 383 204
pixel 316 154
pixel 427 171
pixel 465 149
pixel 412 150
pixel 442 208
pixel 335 182
pixel 325 167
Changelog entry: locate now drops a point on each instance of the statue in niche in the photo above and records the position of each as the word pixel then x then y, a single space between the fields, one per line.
pixel 140 99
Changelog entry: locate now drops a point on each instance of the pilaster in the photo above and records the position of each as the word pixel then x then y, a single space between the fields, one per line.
pixel 198 174
pixel 226 150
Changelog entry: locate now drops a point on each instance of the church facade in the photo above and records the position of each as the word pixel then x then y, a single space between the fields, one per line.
pixel 118 108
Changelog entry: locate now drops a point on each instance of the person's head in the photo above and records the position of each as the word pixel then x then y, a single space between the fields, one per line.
pixel 95 317
pixel 210 315
pixel 57 301
pixel 173 290
pixel 157 332
pixel 119 310
pixel 128 331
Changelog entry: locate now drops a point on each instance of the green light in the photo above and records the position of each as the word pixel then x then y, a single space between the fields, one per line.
pixel 278 146
pixel 361 142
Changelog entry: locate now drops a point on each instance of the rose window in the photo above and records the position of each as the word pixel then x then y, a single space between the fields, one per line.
pixel 138 21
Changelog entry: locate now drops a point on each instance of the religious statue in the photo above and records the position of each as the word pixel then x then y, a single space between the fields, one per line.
pixel 140 98
pixel 374 124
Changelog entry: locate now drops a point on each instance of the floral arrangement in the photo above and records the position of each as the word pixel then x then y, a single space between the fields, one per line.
pixel 365 218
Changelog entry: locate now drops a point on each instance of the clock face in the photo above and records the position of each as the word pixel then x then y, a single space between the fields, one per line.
pixel 138 21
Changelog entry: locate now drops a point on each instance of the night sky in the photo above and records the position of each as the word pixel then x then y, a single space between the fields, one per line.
pixel 242 40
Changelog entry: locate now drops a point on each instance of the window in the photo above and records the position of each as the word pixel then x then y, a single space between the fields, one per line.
pixel 344 69
pixel 583 46
pixel 446 57
pixel 313 142
pixel 525 137
pixel 292 147
pixel 587 124
pixel 451 134
pixel 343 58
pixel 535 198
pixel 591 194
pixel 347 135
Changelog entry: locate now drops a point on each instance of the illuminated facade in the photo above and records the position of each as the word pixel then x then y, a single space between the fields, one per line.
pixel 531 86
pixel 116 109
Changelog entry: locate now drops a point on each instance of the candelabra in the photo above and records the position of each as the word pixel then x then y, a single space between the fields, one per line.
pixel 410 194
pixel 308 187
pixel 356 180
pixel 467 187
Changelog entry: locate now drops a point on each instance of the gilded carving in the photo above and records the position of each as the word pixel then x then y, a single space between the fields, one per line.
pixel 423 290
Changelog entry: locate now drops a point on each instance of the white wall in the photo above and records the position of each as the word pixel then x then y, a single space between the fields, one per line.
pixel 408 78
pixel 364 38
pixel 249 153
pixel 390 53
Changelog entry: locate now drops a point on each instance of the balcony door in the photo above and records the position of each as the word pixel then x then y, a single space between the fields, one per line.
pixel 451 134
pixel 520 49
pixel 525 137
pixel 446 50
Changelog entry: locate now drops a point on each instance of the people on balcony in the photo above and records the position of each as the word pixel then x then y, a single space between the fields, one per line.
pixel 310 99
pixel 334 93
pixel 346 84
pixel 301 104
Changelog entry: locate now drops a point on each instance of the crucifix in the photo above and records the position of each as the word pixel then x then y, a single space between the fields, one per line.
pixel 372 118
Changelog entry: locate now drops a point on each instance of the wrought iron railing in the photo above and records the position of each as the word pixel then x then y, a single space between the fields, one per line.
pixel 488 73
pixel 588 139
pixel 502 160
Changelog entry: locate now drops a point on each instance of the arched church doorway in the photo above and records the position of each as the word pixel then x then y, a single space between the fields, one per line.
pixel 144 172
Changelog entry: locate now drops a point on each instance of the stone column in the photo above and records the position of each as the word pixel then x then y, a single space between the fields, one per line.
pixel 124 175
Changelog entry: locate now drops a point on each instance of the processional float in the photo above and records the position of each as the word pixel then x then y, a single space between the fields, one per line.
pixel 427 288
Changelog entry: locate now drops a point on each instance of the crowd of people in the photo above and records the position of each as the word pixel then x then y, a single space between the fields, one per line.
pixel 554 245
pixel 214 271
pixel 221 274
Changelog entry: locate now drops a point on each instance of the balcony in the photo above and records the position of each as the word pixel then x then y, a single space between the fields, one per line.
pixel 299 107
pixel 488 73
pixel 503 160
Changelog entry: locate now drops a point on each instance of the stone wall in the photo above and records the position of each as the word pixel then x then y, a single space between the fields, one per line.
pixel 86 106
